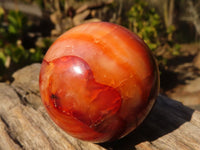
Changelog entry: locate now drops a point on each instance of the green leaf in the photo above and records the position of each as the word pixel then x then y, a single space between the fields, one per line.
pixel 2 57
pixel 1 12
pixel 12 19
pixel 12 29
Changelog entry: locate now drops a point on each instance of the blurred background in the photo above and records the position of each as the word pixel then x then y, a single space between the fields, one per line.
pixel 171 28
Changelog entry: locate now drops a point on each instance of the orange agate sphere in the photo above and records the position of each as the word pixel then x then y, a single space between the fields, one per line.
pixel 98 81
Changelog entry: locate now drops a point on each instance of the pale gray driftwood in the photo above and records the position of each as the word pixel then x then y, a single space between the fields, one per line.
pixel 24 123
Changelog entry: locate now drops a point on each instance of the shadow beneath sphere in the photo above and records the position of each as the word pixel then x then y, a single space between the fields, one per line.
pixel 166 116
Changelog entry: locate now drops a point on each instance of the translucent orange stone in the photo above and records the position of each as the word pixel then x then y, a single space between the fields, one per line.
pixel 98 81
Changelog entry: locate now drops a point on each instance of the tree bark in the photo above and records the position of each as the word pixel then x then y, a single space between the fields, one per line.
pixel 24 123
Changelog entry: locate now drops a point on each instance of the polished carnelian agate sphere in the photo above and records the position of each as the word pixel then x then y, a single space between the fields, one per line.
pixel 98 81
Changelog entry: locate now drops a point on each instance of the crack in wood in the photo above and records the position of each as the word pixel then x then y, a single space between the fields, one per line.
pixel 23 99
pixel 9 133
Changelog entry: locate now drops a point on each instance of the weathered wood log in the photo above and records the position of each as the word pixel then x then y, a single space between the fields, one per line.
pixel 24 123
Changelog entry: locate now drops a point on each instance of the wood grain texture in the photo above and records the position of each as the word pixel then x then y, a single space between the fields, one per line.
pixel 24 123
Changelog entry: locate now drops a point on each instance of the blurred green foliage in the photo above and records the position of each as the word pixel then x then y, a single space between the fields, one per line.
pixel 11 33
pixel 13 28
pixel 146 23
